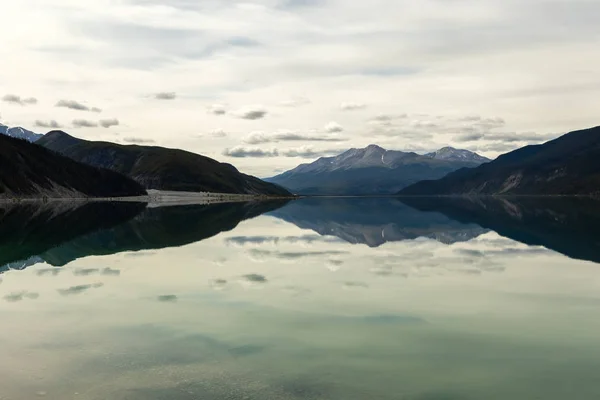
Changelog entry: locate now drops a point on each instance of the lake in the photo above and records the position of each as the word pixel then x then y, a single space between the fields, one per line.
pixel 365 298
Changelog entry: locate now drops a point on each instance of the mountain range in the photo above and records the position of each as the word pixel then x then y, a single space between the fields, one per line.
pixel 72 167
pixel 29 170
pixel 160 168
pixel 373 170
pixel 568 165
pixel 59 233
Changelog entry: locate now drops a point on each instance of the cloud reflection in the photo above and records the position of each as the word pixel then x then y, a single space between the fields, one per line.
pixel 79 289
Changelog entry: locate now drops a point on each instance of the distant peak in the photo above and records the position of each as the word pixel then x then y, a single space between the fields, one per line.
pixel 375 147
pixel 453 154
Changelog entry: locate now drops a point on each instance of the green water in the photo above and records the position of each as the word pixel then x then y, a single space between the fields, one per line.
pixel 335 299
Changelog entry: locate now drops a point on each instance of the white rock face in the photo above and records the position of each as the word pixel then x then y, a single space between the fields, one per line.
pixel 19 133
pixel 376 156
pixel 452 154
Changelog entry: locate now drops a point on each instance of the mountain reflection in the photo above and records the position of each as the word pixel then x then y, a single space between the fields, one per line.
pixel 28 230
pixel 374 221
pixel 568 225
pixel 60 233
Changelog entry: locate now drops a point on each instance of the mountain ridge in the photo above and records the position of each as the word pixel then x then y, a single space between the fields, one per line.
pixel 161 168
pixel 371 170
pixel 567 165
pixel 18 132
pixel 31 171
pixel 451 153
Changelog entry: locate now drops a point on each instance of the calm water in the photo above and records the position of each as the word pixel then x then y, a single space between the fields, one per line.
pixel 418 299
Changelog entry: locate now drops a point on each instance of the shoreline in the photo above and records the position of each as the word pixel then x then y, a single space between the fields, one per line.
pixel 157 198
pixel 154 198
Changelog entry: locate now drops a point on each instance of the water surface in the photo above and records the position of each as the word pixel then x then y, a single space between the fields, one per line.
pixel 425 299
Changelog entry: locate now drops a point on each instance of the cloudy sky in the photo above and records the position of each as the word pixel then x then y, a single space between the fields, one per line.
pixel 269 84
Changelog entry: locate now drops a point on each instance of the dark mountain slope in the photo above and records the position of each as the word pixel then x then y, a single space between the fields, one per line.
pixel 29 170
pixel 160 168
pixel 569 165
pixel 371 171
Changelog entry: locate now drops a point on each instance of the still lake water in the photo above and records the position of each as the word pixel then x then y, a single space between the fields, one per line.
pixel 424 299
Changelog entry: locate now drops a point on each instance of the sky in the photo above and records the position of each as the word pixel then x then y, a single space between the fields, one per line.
pixel 269 84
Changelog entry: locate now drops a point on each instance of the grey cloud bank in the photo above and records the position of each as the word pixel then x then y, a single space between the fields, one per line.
pixel 75 105
pixel 289 136
pixel 83 123
pixel 15 99
pixel 380 64
pixel 165 96
pixel 252 113
pixel 107 123
pixel 47 124
pixel 256 152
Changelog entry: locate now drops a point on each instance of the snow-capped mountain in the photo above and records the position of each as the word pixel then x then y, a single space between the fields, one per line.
pixel 452 154
pixel 19 133
pixel 371 156
pixel 372 170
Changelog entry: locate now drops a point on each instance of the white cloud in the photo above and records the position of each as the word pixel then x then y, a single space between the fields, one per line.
pixel 254 152
pixel 310 152
pixel 291 136
pixel 333 127
pixel 217 109
pixel 259 152
pixel 296 102
pixel 218 133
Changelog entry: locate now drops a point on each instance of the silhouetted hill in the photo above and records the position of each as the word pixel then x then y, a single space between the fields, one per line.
pixel 160 168
pixel 29 170
pixel 372 171
pixel 569 165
